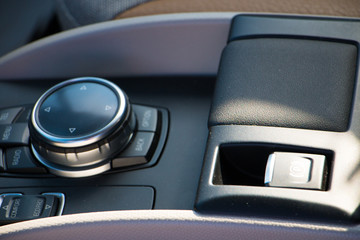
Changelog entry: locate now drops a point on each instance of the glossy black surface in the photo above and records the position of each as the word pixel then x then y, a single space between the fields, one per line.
pixel 78 110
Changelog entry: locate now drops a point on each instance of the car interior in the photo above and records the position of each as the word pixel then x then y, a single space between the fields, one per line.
pixel 179 119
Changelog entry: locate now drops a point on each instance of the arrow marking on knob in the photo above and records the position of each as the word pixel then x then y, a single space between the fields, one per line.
pixel 83 88
pixel 48 109
pixel 107 108
pixel 71 130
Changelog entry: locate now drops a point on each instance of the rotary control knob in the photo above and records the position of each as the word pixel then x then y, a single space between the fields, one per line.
pixel 77 126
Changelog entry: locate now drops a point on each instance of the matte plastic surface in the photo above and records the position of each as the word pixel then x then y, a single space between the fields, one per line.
pixel 97 198
pixel 144 46
pixel 254 26
pixel 285 83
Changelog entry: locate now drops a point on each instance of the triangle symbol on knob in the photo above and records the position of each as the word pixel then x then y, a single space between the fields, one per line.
pixel 71 130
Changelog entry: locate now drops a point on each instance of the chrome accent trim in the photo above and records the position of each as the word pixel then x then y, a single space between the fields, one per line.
pixel 2 196
pixel 61 198
pixel 269 169
pixel 77 173
pixel 90 138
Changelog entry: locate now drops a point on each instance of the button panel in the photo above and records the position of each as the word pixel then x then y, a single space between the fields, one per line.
pixel 17 158
pixel 16 207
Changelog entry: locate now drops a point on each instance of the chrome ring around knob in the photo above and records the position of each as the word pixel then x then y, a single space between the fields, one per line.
pixel 99 131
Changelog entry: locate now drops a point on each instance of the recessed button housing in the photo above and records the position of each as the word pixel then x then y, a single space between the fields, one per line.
pixel 295 170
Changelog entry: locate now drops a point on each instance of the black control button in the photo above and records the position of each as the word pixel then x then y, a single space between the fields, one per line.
pixel 8 115
pixel 2 163
pixel 147 118
pixel 15 208
pixel 295 170
pixel 25 115
pixel 20 160
pixel 138 152
pixel 84 108
pixel 14 134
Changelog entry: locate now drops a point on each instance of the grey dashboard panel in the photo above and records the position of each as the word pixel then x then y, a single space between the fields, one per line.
pixel 144 46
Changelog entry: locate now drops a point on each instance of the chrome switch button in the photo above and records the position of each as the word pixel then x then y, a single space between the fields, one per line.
pixel 295 170
pixel 77 126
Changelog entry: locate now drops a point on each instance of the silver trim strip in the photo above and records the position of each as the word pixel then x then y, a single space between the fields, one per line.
pixel 2 196
pixel 78 173
pixel 269 169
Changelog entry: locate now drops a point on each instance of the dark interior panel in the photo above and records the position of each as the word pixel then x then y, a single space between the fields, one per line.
pixel 272 142
pixel 96 198
pixel 176 174
pixel 285 83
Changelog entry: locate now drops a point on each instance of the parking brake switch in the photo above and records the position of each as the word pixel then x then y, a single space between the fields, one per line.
pixel 296 170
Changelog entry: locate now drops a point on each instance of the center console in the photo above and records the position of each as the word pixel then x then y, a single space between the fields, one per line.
pixel 257 116
pixel 283 122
